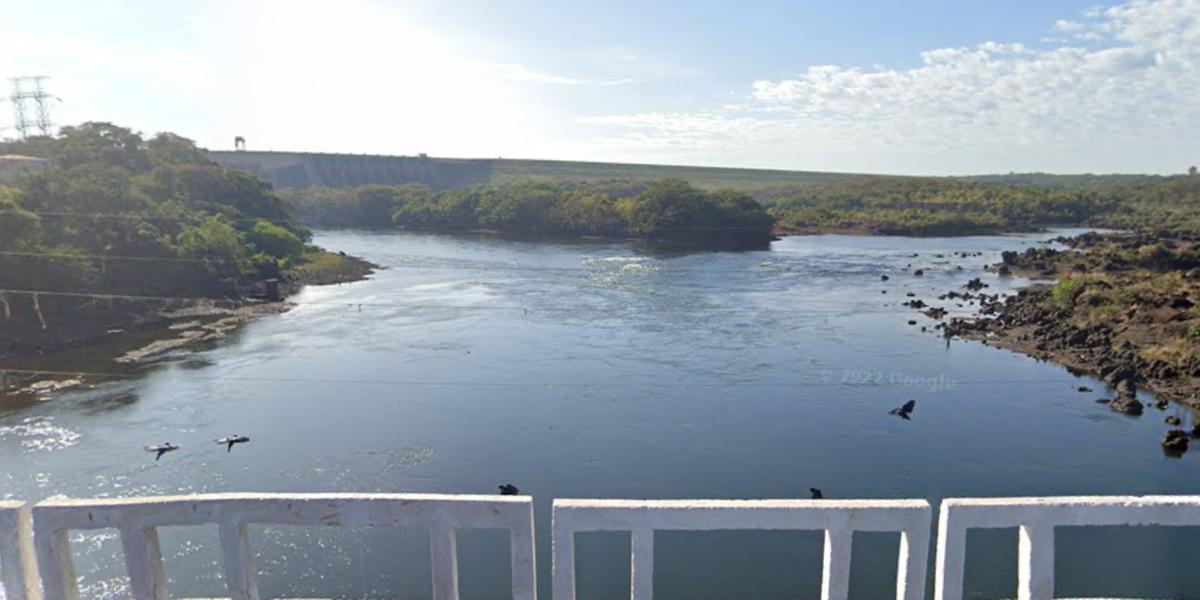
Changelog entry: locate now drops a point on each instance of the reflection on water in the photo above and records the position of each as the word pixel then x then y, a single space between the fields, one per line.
pixel 605 369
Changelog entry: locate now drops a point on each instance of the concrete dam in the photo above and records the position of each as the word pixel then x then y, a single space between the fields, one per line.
pixel 305 169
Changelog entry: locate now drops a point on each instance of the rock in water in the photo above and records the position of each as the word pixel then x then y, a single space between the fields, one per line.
pixel 1126 404
pixel 1172 420
pixel 1175 441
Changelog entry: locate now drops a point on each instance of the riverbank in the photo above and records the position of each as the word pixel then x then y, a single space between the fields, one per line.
pixel 1123 308
pixel 81 342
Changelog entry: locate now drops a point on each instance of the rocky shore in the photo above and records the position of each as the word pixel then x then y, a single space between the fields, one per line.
pixel 56 348
pixel 1123 308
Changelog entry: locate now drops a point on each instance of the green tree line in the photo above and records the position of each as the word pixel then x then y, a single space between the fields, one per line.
pixel 669 209
pixel 112 192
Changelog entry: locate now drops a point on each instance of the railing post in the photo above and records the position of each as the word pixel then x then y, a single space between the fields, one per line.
pixel 143 561
pixel 562 559
pixel 914 553
pixel 18 571
pixel 835 576
pixel 641 579
pixel 951 555
pixel 1036 567
pixel 54 561
pixel 444 549
pixel 524 562
pixel 239 561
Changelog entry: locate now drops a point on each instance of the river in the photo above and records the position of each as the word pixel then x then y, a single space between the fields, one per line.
pixel 612 369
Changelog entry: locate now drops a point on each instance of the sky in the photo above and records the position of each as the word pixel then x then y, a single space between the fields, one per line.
pixel 933 87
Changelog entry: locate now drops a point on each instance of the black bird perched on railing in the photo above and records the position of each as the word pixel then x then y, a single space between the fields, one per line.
pixel 508 489
pixel 816 494
pixel 231 440
pixel 905 411
pixel 162 449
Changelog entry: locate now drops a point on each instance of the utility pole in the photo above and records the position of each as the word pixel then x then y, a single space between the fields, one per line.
pixel 26 91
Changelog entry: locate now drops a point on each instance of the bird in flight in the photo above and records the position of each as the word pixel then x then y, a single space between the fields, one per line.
pixel 231 440
pixel 904 412
pixel 816 494
pixel 508 489
pixel 162 449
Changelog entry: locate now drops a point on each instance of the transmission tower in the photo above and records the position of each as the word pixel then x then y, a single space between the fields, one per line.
pixel 27 90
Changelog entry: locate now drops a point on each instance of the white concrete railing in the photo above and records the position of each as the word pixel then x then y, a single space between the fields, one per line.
pixel 1037 518
pixel 18 572
pixel 838 518
pixel 137 519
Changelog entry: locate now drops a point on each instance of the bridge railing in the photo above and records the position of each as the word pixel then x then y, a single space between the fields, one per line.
pixel 137 520
pixel 18 572
pixel 43 532
pixel 839 519
pixel 1036 519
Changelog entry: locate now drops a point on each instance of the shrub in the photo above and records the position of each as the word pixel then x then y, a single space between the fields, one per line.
pixel 274 240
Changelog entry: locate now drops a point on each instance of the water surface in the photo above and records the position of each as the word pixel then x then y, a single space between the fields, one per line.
pixel 612 369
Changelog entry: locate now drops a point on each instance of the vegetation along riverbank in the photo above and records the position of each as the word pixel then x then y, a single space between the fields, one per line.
pixel 127 240
pixel 708 210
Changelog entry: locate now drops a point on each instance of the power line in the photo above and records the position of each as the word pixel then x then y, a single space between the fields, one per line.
pixel 904 382
pixel 423 306
pixel 414 264
pixel 67 255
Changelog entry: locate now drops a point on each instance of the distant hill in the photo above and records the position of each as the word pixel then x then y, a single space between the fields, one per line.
pixel 306 170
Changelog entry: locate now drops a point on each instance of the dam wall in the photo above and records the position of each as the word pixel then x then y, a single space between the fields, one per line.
pixel 307 169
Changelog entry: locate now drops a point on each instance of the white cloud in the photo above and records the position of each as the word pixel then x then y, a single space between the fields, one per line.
pixel 1132 88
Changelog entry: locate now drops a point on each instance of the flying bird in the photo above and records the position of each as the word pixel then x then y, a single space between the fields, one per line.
pixel 231 440
pixel 816 494
pixel 904 411
pixel 162 449
pixel 508 489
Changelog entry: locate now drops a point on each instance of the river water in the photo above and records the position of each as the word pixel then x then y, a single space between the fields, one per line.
pixel 612 369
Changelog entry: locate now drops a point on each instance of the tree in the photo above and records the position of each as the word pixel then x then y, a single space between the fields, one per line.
pixel 375 204
pixel 1192 170
pixel 18 227
pixel 274 240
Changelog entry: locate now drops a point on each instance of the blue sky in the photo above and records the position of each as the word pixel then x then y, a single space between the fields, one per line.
pixel 923 87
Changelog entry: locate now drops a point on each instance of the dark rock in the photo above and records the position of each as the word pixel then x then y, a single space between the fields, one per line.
pixel 912 322
pixel 1103 401
pixel 1084 388
pixel 1176 441
pixel 1161 404
pixel 975 285
pixel 1126 404
pixel 884 277
pixel 1181 303
pixel 1172 420
pixel 919 272
pixel 935 313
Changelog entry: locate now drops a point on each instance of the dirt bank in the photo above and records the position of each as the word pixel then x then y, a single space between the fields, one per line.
pixel 56 342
